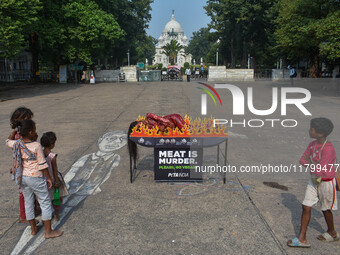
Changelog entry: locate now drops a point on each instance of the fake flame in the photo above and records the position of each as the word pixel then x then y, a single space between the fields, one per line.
pixel 195 128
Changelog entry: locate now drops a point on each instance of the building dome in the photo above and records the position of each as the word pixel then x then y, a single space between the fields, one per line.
pixel 172 31
pixel 173 26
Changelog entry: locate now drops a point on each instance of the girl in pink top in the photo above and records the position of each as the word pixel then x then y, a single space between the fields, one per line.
pixel 20 114
pixel 48 140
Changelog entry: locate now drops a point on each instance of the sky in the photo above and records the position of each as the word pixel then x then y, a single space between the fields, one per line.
pixel 189 13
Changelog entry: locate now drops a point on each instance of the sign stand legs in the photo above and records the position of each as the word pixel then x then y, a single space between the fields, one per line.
pixel 133 168
pixel 225 158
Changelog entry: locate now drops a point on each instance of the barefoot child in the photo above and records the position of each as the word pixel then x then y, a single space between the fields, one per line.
pixel 48 142
pixel 20 114
pixel 320 159
pixel 30 171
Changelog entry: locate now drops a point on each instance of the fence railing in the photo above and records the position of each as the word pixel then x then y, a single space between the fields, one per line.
pixel 263 73
pixel 15 75
pixel 26 75
pixel 48 76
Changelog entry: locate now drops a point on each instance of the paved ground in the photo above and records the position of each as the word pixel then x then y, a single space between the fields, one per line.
pixel 108 215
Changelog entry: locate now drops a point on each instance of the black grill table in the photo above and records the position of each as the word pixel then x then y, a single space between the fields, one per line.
pixel 174 157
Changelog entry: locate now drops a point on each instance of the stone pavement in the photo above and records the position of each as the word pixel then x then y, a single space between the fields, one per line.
pixel 108 215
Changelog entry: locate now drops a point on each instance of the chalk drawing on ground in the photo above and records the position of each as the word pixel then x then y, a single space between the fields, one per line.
pixel 212 184
pixel 83 179
pixel 237 135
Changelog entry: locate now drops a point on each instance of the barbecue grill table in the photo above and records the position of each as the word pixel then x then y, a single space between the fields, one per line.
pixel 165 142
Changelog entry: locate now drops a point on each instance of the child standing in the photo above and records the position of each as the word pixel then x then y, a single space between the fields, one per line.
pixel 320 159
pixel 30 171
pixel 20 114
pixel 48 142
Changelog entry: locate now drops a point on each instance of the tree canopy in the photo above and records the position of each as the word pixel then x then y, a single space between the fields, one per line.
pixel 306 29
pixel 16 19
pixel 267 30
pixel 71 31
pixel 88 30
pixel 133 17
pixel 145 49
pixel 200 44
pixel 328 32
pixel 243 27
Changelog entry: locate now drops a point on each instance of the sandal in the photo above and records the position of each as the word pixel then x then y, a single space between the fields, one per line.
pixel 297 244
pixel 328 238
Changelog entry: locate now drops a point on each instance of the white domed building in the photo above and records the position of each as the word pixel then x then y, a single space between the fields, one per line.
pixel 172 31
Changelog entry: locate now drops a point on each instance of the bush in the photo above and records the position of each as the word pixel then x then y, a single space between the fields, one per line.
pixel 160 66
pixel 151 67
pixel 186 65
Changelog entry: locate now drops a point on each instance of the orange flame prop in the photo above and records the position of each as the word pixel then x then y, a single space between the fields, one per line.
pixel 194 128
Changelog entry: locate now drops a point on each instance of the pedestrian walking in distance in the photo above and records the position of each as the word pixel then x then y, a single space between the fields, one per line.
pixel 188 73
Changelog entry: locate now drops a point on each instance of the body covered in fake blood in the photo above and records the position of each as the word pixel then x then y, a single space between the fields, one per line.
pixel 172 121
pixel 174 125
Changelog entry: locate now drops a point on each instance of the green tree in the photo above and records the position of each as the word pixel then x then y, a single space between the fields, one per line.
pixel 50 34
pixel 17 19
pixel 172 49
pixel 200 44
pixel 244 28
pixel 74 30
pixel 146 49
pixel 133 17
pixel 57 31
pixel 306 28
pixel 88 30
pixel 328 32
pixel 211 55
pixel 71 31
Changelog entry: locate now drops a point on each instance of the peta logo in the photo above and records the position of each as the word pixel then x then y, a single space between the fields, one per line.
pixel 178 174
pixel 239 100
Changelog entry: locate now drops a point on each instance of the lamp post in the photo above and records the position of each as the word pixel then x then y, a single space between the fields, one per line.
pixel 218 44
pixel 128 55
pixel 217 57
pixel 248 61
pixel 5 69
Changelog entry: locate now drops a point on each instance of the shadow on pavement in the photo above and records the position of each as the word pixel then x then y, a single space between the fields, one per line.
pixel 10 91
pixel 294 205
